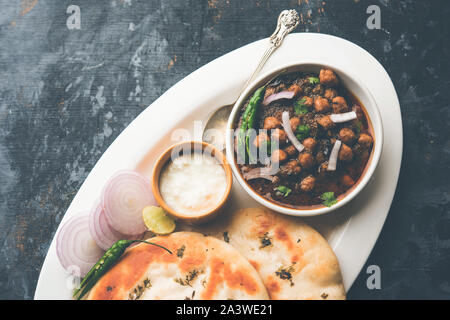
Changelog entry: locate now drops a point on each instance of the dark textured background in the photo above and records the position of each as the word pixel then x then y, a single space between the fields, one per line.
pixel 66 94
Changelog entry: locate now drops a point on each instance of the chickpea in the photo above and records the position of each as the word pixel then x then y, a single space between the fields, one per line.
pixel 271 123
pixel 321 104
pixel 359 112
pixel 310 143
pixel 328 77
pixel 261 139
pixel 345 153
pixel 347 136
pixel 291 168
pixel 279 135
pixel 294 123
pixel 290 151
pixel 347 181
pixel 269 91
pixel 326 122
pixel 308 101
pixel 306 160
pixel 323 170
pixel 278 156
pixel 365 155
pixel 308 183
pixel 330 93
pixel 296 88
pixel 318 90
pixel 365 140
pixel 339 105
pixel 320 157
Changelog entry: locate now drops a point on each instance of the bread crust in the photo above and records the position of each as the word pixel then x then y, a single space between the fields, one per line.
pixel 200 267
pixel 293 259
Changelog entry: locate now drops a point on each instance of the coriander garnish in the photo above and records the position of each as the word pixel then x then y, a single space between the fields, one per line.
pixel 139 290
pixel 147 283
pixel 302 132
pixel 328 198
pixel 180 251
pixel 285 273
pixel 265 240
pixel 300 107
pixel 191 297
pixel 313 80
pixel 283 190
pixel 358 126
pixel 189 277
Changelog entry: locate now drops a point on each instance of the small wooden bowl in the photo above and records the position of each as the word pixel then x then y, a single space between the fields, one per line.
pixel 177 150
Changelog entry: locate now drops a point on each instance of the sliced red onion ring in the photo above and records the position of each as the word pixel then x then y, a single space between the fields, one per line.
pixel 249 177
pixel 332 162
pixel 124 197
pixel 75 246
pixel 263 173
pixel 288 129
pixel 277 96
pixel 343 117
pixel 101 231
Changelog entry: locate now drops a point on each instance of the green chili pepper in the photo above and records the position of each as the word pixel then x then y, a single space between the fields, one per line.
pixel 105 263
pixel 248 119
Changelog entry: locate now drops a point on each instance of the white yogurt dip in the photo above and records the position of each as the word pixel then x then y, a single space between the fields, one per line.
pixel 193 184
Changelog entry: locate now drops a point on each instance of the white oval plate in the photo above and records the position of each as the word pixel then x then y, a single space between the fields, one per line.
pixel 351 230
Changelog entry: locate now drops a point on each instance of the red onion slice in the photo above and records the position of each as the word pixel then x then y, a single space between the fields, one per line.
pixel 124 197
pixel 332 162
pixel 263 173
pixel 249 177
pixel 343 117
pixel 101 231
pixel 277 96
pixel 75 246
pixel 288 129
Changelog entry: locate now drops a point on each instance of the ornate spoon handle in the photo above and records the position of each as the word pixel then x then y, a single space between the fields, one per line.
pixel 287 21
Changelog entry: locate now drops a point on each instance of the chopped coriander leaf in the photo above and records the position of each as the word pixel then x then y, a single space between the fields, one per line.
pixel 180 251
pixel 302 131
pixel 286 273
pixel 283 190
pixel 358 126
pixel 328 198
pixel 300 107
pixel 313 80
pixel 265 241
pixel 187 281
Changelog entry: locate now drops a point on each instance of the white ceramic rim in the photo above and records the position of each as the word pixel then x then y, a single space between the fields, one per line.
pixel 375 119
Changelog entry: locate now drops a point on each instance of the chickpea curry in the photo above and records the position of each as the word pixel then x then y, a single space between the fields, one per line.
pixel 304 138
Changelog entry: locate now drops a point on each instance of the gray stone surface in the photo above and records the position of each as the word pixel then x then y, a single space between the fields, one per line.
pixel 66 94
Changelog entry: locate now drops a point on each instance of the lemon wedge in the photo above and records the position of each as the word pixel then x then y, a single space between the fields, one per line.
pixel 157 220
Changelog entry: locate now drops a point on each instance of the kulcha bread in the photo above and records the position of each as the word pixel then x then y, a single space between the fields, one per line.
pixel 200 267
pixel 293 259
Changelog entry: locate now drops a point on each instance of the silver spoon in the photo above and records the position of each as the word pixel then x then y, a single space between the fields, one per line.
pixel 214 130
